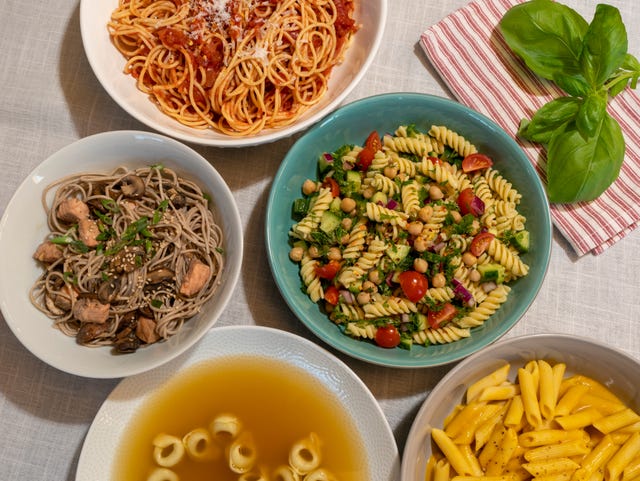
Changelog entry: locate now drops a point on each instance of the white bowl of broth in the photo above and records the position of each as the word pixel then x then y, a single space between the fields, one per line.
pixel 282 390
pixel 25 225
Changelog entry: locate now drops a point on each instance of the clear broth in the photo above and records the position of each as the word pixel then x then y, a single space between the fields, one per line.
pixel 277 402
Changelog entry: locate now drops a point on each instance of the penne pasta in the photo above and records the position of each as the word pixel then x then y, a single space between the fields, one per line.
pixel 539 427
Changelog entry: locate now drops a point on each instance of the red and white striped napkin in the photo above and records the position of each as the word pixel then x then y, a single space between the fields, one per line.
pixel 470 54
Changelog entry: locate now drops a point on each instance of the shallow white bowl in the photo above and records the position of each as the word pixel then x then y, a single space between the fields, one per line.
pixel 23 226
pixel 613 368
pixel 110 424
pixel 108 64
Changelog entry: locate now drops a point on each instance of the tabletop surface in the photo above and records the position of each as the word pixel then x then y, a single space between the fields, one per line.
pixel 49 98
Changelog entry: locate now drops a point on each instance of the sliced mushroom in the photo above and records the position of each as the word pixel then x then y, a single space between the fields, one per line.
pixel 108 290
pixel 65 298
pixel 157 276
pixel 90 331
pixel 128 259
pixel 132 186
pixel 126 341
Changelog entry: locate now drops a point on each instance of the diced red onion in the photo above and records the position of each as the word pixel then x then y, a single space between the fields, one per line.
pixel 405 317
pixel 477 206
pixel 389 278
pixel 462 293
pixel 347 296
pixel 391 204
pixel 328 157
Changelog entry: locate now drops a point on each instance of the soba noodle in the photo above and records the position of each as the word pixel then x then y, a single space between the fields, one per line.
pixel 141 258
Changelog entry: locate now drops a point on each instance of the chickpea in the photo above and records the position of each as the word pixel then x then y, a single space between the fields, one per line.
pixel 469 259
pixel 474 276
pixel 346 223
pixel 369 286
pixel 334 254
pixel 390 172
pixel 296 253
pixel 314 252
pixel 368 192
pixel 363 298
pixel 347 204
pixel 420 265
pixel 415 227
pixel 374 276
pixel 344 240
pixel 435 193
pixel 329 307
pixel 420 244
pixel 439 280
pixel 457 217
pixel 308 187
pixel 425 213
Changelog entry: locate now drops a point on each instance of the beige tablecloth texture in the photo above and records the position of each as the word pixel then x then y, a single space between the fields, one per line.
pixel 49 98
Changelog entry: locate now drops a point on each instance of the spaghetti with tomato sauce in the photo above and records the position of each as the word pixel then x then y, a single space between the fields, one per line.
pixel 237 66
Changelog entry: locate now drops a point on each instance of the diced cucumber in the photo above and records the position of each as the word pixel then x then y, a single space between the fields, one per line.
pixel 491 272
pixel 379 198
pixel 397 252
pixel 329 222
pixel 325 161
pixel 354 181
pixel 521 240
pixel 335 205
pixel 421 321
pixel 405 343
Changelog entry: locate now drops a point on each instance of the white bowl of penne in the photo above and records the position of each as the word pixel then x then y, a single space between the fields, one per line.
pixel 541 407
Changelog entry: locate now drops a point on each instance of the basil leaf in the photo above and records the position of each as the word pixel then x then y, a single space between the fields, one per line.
pixel 580 169
pixel 591 114
pixel 573 84
pixel 547 35
pixel 605 45
pixel 550 117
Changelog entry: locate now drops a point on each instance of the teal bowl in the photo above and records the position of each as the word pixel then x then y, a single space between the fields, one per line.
pixel 351 124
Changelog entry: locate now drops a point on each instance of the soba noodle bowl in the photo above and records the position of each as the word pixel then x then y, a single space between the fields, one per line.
pixel 130 256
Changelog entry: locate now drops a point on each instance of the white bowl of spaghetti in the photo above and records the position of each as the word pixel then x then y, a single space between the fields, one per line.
pixel 141 273
pixel 201 72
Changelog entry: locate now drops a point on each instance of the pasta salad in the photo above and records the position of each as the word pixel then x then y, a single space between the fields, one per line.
pixel 410 238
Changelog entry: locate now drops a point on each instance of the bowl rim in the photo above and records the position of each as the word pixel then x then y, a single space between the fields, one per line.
pixel 262 137
pixel 233 228
pixel 272 246
pixel 486 352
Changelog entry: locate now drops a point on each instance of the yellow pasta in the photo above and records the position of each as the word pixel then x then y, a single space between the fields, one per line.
pixel 542 426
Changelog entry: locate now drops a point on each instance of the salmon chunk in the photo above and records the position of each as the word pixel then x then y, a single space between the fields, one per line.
pixel 146 330
pixel 72 210
pixel 90 310
pixel 48 252
pixel 195 279
pixel 88 231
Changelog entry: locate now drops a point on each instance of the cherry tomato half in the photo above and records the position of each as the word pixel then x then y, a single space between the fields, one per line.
pixel 366 155
pixel 465 198
pixel 473 162
pixel 439 317
pixel 331 183
pixel 470 203
pixel 414 285
pixel 387 336
pixel 480 243
pixel 328 270
pixel 373 141
pixel 332 295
